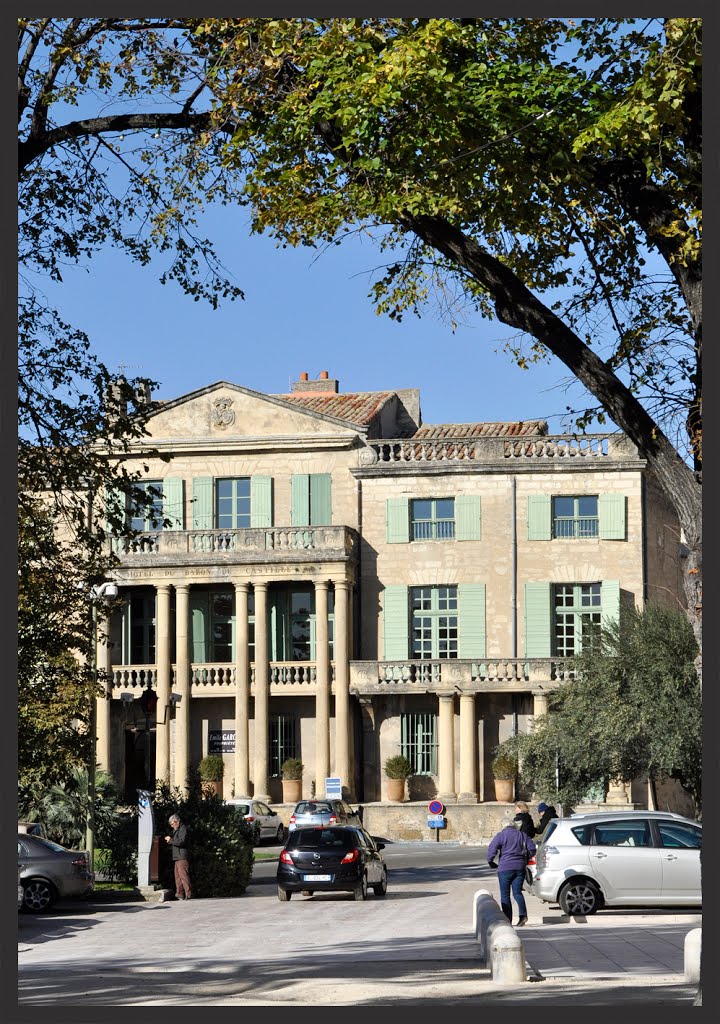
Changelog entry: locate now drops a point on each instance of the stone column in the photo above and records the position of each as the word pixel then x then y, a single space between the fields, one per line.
pixel 102 718
pixel 540 704
pixel 162 683
pixel 182 677
pixel 468 790
pixel 618 792
pixel 446 751
pixel 342 684
pixel 322 688
pixel 242 691
pixel 262 692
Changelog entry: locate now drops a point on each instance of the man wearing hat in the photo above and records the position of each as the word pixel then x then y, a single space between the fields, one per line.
pixel 547 812
pixel 514 848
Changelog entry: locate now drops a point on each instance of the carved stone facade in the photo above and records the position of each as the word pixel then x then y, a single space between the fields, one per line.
pixel 343 593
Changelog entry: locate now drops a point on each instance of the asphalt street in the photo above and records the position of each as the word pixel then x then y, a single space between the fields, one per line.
pixel 414 946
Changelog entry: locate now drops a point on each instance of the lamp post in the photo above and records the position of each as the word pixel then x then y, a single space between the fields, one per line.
pixel 102 592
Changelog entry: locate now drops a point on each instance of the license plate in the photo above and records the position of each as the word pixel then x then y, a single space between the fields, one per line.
pixel 317 878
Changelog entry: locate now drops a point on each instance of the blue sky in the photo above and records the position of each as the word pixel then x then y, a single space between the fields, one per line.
pixel 302 312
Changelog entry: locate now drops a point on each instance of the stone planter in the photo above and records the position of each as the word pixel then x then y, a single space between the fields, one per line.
pixel 292 790
pixel 504 790
pixel 396 789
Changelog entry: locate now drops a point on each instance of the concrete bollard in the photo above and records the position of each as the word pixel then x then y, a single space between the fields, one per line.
pixel 693 949
pixel 500 945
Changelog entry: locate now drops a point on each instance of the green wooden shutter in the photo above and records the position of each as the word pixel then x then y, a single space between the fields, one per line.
pixel 300 499
pixel 397 521
pixel 320 502
pixel 538 620
pixel 395 623
pixel 173 502
pixel 203 513
pixel 611 513
pixel 114 510
pixel 610 601
pixel 471 620
pixel 539 517
pixel 467 517
pixel 200 620
pixel 261 511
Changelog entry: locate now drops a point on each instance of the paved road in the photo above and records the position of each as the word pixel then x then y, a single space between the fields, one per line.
pixel 415 946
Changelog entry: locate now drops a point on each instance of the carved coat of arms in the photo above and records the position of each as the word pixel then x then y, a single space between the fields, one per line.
pixel 223 415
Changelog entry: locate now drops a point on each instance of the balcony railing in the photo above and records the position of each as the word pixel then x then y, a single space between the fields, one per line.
pixel 578 527
pixel 384 676
pixel 558 446
pixel 244 545
pixel 217 676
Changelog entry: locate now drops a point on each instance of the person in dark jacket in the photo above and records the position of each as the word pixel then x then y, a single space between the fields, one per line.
pixel 178 841
pixel 548 812
pixel 513 848
pixel 523 819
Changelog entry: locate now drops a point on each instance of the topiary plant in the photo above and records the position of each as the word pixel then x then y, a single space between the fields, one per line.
pixel 505 765
pixel 211 768
pixel 398 767
pixel 292 768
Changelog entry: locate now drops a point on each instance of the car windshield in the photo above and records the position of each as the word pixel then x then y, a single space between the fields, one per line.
pixel 312 807
pixel 242 808
pixel 322 838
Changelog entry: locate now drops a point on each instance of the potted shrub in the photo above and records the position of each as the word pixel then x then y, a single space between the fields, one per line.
pixel 397 769
pixel 211 770
pixel 292 773
pixel 505 768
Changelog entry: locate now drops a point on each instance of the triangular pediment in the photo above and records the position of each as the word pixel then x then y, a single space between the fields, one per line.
pixel 223 412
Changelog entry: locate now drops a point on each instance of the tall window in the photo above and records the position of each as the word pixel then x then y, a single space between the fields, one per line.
pixel 575 516
pixel 232 503
pixel 418 741
pixel 577 614
pixel 221 626
pixel 434 622
pixel 145 517
pixel 283 741
pixel 432 518
pixel 142 629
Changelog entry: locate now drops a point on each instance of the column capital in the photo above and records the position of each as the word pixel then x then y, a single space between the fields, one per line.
pixel 321 584
pixel 241 585
pixel 260 584
pixel 182 586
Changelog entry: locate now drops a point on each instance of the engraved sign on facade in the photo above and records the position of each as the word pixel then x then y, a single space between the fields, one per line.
pixel 223 415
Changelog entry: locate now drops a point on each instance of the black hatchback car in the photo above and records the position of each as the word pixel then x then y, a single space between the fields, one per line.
pixel 331 858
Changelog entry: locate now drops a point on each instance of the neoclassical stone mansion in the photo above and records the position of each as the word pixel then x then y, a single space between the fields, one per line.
pixel 341 582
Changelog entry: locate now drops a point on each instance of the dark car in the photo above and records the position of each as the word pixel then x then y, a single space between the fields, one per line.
pixel 331 858
pixel 323 812
pixel 51 872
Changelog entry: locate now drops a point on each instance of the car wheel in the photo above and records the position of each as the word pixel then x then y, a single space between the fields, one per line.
pixel 381 888
pixel 283 896
pixel 39 895
pixel 280 833
pixel 308 892
pixel 580 897
pixel 360 890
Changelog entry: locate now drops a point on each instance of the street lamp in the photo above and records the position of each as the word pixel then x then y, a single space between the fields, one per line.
pixel 102 592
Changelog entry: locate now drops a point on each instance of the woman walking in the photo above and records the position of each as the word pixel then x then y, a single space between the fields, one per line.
pixel 514 848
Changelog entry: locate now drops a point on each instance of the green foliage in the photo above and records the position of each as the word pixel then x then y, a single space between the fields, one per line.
pixel 220 842
pixel 397 767
pixel 633 710
pixel 292 768
pixel 211 768
pixel 505 765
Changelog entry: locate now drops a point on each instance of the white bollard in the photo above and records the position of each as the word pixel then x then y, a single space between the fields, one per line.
pixel 500 945
pixel 693 949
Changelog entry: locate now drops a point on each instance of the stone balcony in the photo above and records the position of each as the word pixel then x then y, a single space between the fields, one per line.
pixel 238 547
pixel 366 677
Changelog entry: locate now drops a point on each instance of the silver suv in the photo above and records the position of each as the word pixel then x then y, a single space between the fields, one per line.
pixel 323 812
pixel 619 858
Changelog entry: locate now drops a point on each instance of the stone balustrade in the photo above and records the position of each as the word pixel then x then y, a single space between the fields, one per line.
pixel 246 545
pixel 489 674
pixel 495 449
pixel 205 677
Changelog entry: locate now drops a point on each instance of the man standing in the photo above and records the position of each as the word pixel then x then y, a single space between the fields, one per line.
pixel 178 841
pixel 514 848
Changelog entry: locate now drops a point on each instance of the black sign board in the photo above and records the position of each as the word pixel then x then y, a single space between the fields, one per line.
pixel 221 741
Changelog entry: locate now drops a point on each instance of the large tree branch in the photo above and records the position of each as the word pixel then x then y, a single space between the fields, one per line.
pixel 516 306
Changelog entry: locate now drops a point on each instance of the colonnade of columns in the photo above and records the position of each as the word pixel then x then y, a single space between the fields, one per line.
pixel 183 666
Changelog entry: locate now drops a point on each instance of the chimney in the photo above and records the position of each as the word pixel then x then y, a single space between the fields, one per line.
pixel 324 383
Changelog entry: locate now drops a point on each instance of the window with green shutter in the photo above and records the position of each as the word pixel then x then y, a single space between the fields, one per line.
pixel 577 616
pixel 145 507
pixel 434 612
pixel 395 623
pixel 311 502
pixel 397 520
pixel 432 519
pixel 173 502
pixel 538 620
pixel 539 517
pixel 611 512
pixel 471 620
pixel 467 517
pixel 202 503
pixel 232 503
pixel 575 517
